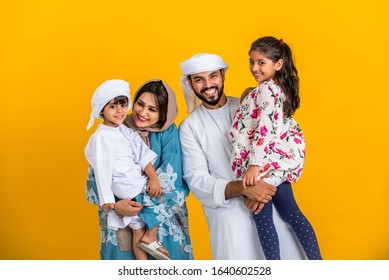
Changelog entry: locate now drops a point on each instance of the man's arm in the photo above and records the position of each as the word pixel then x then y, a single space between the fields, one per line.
pixel 207 188
pixel 256 196
pixel 260 192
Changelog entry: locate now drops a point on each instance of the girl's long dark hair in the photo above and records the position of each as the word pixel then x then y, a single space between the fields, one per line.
pixel 287 77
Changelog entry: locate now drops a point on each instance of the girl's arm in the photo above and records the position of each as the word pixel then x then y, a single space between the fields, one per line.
pixel 267 105
pixel 268 151
pixel 245 93
pixel 250 176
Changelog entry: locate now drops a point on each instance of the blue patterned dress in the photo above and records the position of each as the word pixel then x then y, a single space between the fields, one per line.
pixel 169 211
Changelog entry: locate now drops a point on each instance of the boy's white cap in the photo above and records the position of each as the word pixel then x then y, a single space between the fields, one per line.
pixel 104 93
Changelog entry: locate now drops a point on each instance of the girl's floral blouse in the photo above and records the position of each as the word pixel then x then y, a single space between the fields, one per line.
pixel 262 136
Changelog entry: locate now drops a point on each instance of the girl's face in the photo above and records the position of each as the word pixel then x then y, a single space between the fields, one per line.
pixel 114 114
pixel 145 110
pixel 262 68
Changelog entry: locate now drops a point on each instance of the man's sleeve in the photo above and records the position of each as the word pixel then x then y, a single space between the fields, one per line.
pixel 208 189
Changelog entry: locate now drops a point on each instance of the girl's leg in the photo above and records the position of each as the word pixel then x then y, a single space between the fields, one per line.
pixel 136 236
pixel 287 207
pixel 267 232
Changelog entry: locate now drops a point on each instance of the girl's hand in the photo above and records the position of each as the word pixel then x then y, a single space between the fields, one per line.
pixel 108 206
pixel 154 188
pixel 261 192
pixel 251 175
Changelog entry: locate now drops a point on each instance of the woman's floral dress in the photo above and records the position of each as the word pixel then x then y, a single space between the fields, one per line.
pixel 169 211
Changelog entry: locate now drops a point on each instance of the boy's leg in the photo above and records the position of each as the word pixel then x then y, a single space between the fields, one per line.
pixel 151 236
pixel 136 237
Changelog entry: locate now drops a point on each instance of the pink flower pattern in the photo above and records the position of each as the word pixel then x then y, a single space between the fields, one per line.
pixel 263 131
pixel 262 136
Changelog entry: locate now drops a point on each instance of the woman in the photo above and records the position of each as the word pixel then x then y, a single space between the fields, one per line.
pixel 153 113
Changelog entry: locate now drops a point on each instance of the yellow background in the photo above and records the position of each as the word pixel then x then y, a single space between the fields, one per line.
pixel 53 54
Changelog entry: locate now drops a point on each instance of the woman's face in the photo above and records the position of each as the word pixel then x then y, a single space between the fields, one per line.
pixel 145 110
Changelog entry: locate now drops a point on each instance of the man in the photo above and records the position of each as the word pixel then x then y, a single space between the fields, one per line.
pixel 206 152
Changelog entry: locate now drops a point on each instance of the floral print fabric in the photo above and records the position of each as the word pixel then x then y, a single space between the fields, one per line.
pixel 169 211
pixel 262 136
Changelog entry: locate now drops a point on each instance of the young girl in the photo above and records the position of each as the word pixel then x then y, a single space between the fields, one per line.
pixel 122 162
pixel 268 141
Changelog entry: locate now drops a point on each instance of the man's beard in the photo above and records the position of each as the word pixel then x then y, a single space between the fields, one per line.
pixel 212 102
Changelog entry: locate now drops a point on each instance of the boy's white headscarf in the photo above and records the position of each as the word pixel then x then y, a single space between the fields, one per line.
pixel 196 64
pixel 104 93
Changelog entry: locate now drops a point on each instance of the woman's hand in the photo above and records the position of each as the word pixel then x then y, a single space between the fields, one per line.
pixel 127 207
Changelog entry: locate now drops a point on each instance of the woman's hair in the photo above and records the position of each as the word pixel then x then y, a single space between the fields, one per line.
pixel 286 77
pixel 117 100
pixel 160 96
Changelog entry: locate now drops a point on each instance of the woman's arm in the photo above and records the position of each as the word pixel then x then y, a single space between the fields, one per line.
pixel 169 163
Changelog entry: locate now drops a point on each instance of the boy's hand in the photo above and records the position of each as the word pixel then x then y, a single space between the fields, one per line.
pixel 251 175
pixel 154 188
pixel 108 206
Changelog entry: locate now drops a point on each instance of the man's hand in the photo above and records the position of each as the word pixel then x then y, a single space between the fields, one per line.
pixel 261 192
pixel 253 206
pixel 127 207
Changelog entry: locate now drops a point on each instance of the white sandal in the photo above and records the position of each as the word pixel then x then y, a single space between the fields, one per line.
pixel 151 248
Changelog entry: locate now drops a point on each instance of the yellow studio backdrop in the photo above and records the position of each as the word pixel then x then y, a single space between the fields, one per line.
pixel 53 54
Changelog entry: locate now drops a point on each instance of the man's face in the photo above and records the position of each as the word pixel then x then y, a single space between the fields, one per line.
pixel 208 86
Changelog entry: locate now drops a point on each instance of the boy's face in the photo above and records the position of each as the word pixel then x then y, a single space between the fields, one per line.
pixel 114 113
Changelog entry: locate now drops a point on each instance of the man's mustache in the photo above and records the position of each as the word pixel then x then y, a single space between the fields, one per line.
pixel 205 89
